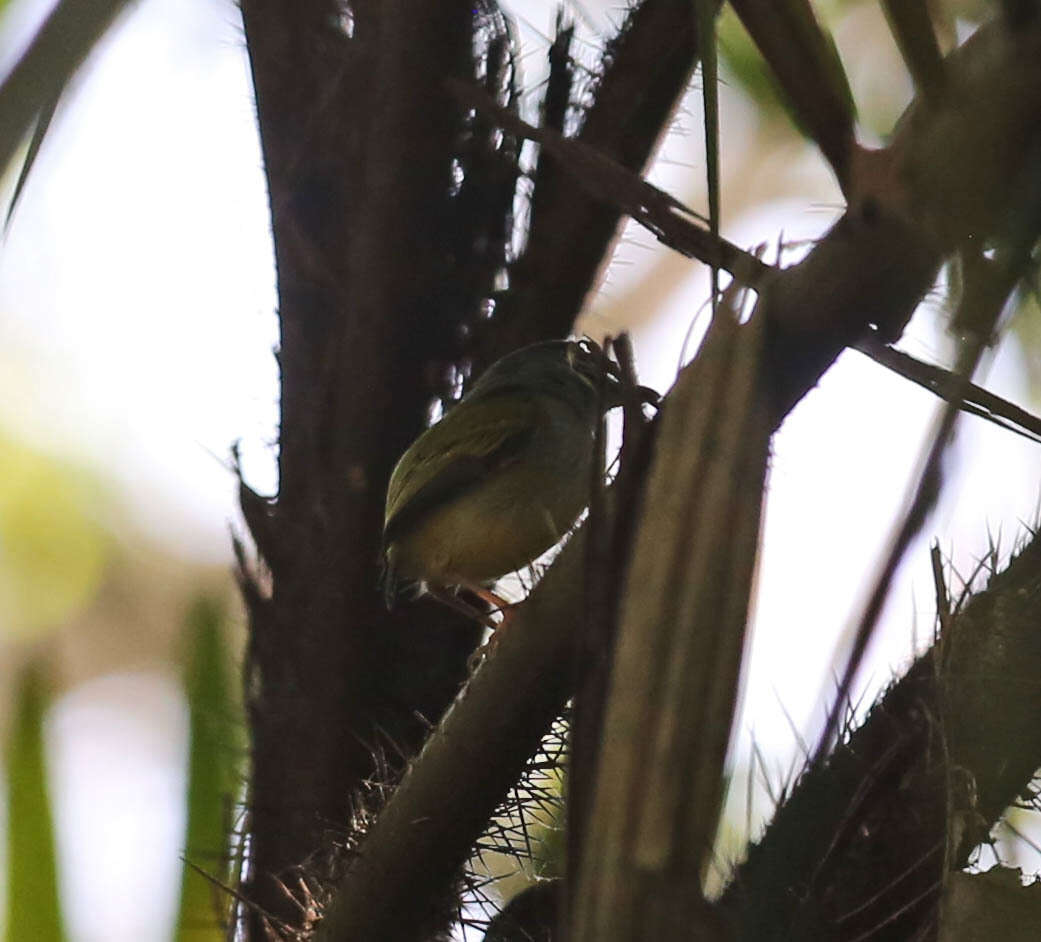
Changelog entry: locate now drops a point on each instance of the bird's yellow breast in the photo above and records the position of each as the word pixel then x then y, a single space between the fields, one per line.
pixel 503 523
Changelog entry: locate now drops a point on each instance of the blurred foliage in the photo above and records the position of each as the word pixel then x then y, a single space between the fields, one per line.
pixel 746 64
pixel 33 906
pixel 214 772
pixel 213 791
pixel 799 55
pixel 747 67
pixel 1026 328
pixel 550 843
pixel 53 548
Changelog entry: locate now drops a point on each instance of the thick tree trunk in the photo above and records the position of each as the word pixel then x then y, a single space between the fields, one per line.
pixel 358 137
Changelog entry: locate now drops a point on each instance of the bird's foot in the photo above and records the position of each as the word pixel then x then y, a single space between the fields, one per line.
pixel 463 607
pixel 492 643
pixel 497 602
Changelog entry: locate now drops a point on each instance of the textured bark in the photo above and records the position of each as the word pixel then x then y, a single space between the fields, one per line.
pixel 358 138
pixel 860 848
pixel 681 640
pixel 429 826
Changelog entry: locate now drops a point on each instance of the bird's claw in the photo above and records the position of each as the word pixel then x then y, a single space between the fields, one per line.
pixel 489 646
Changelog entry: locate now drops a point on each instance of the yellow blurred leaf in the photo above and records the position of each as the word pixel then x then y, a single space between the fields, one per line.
pixel 52 546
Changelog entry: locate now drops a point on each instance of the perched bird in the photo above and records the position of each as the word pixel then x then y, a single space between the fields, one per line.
pixel 504 474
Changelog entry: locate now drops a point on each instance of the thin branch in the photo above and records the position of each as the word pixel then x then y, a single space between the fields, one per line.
pixel 987 290
pixel 72 29
pixel 943 383
pixel 667 218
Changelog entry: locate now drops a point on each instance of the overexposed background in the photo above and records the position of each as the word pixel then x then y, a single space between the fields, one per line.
pixel 137 325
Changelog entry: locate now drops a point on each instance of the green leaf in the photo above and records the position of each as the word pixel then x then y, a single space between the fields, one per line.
pixel 213 764
pixel 747 67
pixel 805 63
pixel 33 906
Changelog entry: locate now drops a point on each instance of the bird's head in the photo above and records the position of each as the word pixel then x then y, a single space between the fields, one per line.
pixel 576 371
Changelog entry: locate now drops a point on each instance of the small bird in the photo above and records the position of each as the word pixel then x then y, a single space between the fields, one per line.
pixel 504 474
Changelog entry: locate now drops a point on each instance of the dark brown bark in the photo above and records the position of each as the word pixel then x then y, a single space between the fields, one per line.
pixel 358 138
pixel 860 848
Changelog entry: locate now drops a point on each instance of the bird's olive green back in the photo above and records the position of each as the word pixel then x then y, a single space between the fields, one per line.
pixel 457 453
pixel 490 426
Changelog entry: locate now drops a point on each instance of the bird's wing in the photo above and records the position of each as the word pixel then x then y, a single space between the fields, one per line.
pixel 483 436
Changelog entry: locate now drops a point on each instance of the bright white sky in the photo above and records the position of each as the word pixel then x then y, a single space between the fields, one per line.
pixel 137 287
pixel 136 329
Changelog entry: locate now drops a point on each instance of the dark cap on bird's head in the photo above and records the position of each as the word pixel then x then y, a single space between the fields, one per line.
pixel 552 367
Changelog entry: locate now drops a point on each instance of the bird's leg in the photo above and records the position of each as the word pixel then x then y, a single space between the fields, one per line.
pixel 499 604
pixel 457 604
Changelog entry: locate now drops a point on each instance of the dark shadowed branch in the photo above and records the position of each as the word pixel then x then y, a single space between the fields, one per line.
pixel 644 72
pixel 359 187
pixel 865 838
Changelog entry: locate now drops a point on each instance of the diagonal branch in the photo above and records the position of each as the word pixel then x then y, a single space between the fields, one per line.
pixel 607 182
pixel 945 384
pixel 913 29
pixel 72 29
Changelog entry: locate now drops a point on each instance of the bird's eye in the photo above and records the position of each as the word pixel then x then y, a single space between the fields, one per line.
pixel 588 347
